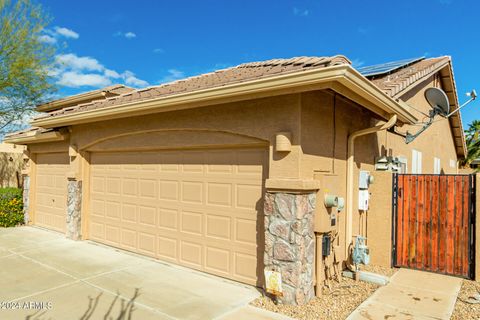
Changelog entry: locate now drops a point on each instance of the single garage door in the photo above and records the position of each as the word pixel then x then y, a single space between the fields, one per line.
pixel 51 191
pixel 198 208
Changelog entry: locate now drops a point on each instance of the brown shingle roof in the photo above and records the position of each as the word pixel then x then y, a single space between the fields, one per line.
pixel 240 73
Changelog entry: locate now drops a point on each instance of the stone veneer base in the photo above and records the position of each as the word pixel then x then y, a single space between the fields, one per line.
pixel 290 243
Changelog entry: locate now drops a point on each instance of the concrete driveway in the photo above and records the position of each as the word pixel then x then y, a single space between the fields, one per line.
pixel 50 277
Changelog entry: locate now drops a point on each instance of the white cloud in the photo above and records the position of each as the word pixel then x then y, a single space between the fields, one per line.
pixel 73 71
pixel 75 79
pixel 67 33
pixel 131 80
pixel 74 62
pixel 130 35
pixel 111 74
pixel 52 36
pixel 300 12
pixel 47 39
pixel 127 35
pixel 158 50
pixel 173 74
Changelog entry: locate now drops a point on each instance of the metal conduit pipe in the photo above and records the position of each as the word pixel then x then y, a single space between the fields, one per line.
pixel 350 170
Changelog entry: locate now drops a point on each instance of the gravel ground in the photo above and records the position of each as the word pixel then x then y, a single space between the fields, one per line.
pixel 335 304
pixel 464 310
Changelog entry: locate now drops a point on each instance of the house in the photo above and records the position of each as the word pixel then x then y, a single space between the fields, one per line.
pixel 227 172
pixel 11 165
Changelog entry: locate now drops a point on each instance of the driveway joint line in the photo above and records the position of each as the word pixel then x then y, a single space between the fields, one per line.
pixel 46 290
pixel 47 266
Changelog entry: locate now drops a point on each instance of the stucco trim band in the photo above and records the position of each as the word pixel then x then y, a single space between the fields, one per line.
pixel 37 137
pixel 278 185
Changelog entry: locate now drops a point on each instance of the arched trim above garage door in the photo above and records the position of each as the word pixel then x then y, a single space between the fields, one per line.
pixel 172 139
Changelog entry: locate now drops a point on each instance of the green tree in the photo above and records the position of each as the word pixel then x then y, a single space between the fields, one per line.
pixel 472 135
pixel 24 61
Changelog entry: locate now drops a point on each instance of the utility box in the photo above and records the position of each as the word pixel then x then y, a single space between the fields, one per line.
pixel 326 212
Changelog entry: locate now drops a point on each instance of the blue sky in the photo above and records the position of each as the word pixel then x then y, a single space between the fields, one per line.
pixel 149 42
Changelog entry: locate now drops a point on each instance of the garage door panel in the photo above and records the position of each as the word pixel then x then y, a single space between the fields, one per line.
pixel 169 190
pixel 129 239
pixel 196 208
pixel 129 212
pixel 167 248
pixel 147 215
pixel 191 222
pixel 146 244
pixel 192 191
pixel 168 218
pixel 112 209
pixel 219 194
pixel 51 191
pixel 191 254
pixel 245 231
pixel 218 260
pixel 244 267
pixel 219 227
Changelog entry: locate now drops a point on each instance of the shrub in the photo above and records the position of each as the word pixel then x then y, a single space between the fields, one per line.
pixel 11 207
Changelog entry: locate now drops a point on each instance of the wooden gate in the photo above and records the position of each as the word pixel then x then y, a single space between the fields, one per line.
pixel 433 223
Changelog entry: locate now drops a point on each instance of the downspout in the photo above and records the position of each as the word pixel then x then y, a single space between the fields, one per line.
pixel 350 170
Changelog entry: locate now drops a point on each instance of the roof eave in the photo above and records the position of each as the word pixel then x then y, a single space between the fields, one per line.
pixel 37 137
pixel 294 82
pixel 60 103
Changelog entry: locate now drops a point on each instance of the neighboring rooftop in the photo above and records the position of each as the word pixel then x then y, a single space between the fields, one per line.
pixel 396 81
pixel 387 68
pixel 85 97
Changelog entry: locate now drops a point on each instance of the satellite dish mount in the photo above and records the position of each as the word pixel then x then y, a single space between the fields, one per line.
pixel 438 100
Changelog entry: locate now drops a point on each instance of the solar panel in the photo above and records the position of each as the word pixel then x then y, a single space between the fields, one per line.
pixel 384 68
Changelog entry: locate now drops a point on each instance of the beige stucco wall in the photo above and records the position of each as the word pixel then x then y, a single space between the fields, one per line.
pixel 10 169
pixel 379 229
pixel 11 148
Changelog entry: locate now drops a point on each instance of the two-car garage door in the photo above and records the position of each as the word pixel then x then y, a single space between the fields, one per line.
pixel 197 208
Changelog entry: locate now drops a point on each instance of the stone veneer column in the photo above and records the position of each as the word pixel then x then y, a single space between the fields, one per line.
pixel 74 206
pixel 290 243
pixel 26 198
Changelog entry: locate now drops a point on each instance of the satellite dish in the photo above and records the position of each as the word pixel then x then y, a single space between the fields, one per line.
pixel 438 100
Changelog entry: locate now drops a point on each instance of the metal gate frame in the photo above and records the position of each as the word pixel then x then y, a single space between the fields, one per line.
pixel 471 219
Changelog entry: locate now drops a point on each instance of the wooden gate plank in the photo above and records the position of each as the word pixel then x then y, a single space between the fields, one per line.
pixel 458 245
pixel 450 222
pixel 442 226
pixel 465 225
pixel 406 218
pixel 420 222
pixel 428 224
pixel 412 222
pixel 435 214
pixel 399 220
